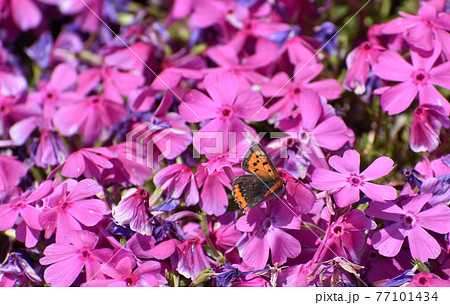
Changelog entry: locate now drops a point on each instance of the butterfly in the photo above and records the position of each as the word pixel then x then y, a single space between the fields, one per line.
pixel 263 183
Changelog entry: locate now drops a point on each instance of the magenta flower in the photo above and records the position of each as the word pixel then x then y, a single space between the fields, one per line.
pixel 229 60
pixel 144 246
pixel 124 169
pixel 428 280
pixel 58 91
pixel 345 237
pixel 68 207
pixel 225 236
pixel 122 275
pixel 14 110
pixel 68 258
pixel 359 60
pixel 409 220
pixel 29 229
pixel 175 179
pixel 291 91
pixel 267 227
pixel 423 29
pixel 89 116
pixel 416 78
pixel 298 195
pixel 426 127
pixel 11 171
pixel 347 182
pixel 191 258
pixel 88 162
pixel 226 108
pixel 314 127
pixel 133 210
pixel 214 182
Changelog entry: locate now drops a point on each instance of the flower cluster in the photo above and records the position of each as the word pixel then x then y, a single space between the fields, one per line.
pixel 123 126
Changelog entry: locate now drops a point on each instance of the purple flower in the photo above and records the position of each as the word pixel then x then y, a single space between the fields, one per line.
pixel 68 258
pixel 11 171
pixel 409 220
pixel 426 127
pixel 175 179
pixel 144 246
pixel 16 270
pixel 226 107
pixel 416 78
pixel 191 258
pixel 268 226
pixel 68 207
pixel 347 182
pixel 133 210
pixel 29 229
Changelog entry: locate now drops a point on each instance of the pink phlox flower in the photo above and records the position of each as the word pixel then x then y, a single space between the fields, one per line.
pixel 418 77
pixel 266 227
pixel 68 258
pixel 90 116
pixel 122 275
pixel 291 91
pixel 28 229
pixel 176 179
pixel 314 129
pixel 299 196
pixel 12 83
pixel 299 50
pixel 359 61
pixel 133 210
pixel 426 127
pixel 428 280
pixel 191 258
pixel 348 181
pixel 226 107
pixel 58 91
pixel 296 276
pixel 11 171
pixel 124 169
pixel 15 109
pixel 345 237
pixel 176 68
pixel 143 246
pixel 210 12
pixel 407 219
pixel 225 236
pixel 69 206
pixel 26 13
pixel 433 168
pixel 423 29
pixel 85 19
pixel 214 180
pixel 89 162
pixel 228 60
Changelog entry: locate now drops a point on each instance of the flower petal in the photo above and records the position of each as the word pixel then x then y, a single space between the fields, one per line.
pixel 389 240
pixel 422 245
pixel 379 168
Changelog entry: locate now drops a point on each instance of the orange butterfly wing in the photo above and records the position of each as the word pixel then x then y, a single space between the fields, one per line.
pixel 257 161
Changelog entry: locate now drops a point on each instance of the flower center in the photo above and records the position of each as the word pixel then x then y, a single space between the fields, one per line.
pixel 227 112
pixel 422 281
pixel 355 179
pixel 85 253
pixel 266 223
pixel 420 77
pixel 409 220
pixel 337 229
pixel 297 90
pixel 129 281
pixel 367 46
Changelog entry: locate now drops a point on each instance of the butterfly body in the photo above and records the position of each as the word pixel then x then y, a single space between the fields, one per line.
pixel 263 183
